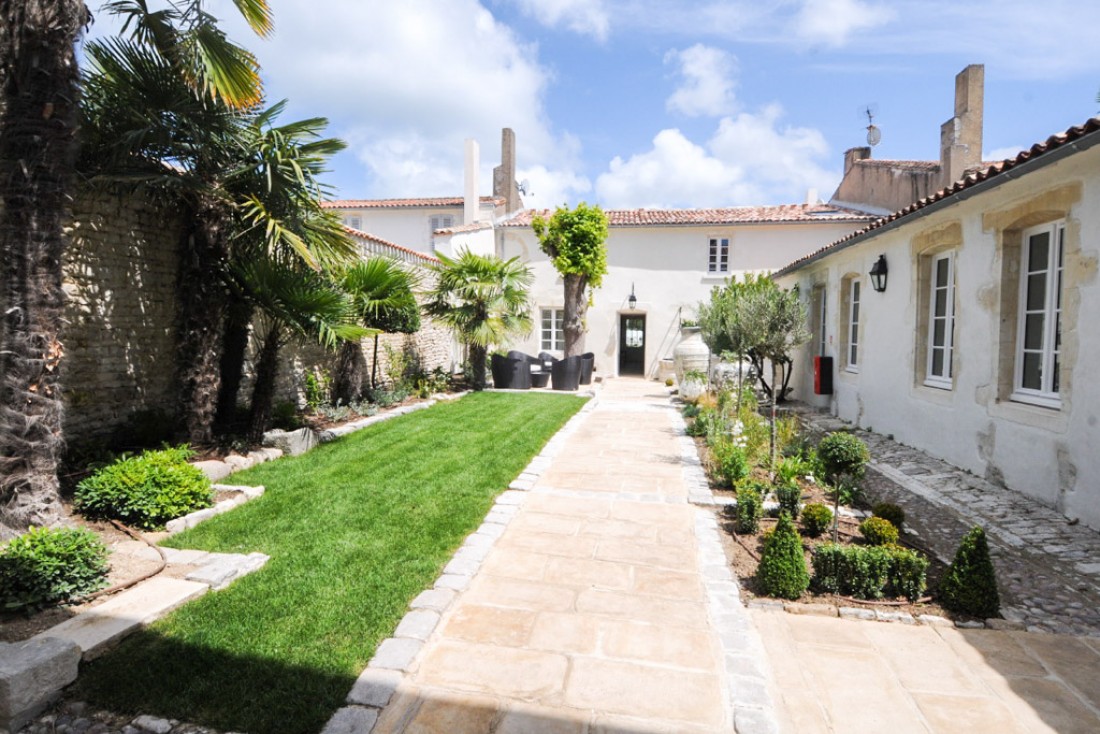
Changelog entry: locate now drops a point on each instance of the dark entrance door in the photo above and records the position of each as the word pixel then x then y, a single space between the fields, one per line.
pixel 631 344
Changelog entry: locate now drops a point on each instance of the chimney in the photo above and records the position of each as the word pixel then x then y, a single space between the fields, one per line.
pixel 504 175
pixel 470 201
pixel 855 154
pixel 961 136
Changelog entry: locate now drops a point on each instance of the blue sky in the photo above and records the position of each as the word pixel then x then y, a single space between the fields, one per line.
pixel 649 103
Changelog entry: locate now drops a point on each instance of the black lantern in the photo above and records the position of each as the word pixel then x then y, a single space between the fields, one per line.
pixel 878 274
pixel 633 300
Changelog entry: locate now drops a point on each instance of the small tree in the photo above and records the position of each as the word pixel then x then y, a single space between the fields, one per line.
pixel 842 455
pixel 484 300
pixel 575 241
pixel 782 570
pixel 970 584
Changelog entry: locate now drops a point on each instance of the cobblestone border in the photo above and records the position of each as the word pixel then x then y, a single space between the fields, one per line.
pixel 397 656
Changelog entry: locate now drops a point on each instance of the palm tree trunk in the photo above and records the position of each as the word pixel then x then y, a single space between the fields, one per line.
pixel 234 348
pixel 576 305
pixel 477 364
pixel 263 392
pixel 348 373
pixel 201 298
pixel 38 104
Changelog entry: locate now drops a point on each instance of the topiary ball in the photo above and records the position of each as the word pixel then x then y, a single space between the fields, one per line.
pixel 816 519
pixel 890 511
pixel 782 571
pixel 879 531
pixel 970 584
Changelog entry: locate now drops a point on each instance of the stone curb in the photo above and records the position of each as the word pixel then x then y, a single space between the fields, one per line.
pixel 885 614
pixel 396 656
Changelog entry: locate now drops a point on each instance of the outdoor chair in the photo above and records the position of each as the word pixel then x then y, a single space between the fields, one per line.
pixel 566 373
pixel 588 364
pixel 510 373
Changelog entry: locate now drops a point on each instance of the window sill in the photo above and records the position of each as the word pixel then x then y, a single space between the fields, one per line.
pixel 936 384
pixel 852 369
pixel 1052 402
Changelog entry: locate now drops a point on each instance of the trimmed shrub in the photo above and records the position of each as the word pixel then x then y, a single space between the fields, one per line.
pixel 147 490
pixel 890 511
pixel 869 572
pixel 48 566
pixel 730 465
pixel 782 570
pixel 879 531
pixel 816 519
pixel 690 410
pixel 750 508
pixel 789 497
pixel 970 584
pixel 908 573
pixel 842 453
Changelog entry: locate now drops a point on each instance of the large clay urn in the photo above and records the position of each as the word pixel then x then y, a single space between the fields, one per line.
pixel 691 353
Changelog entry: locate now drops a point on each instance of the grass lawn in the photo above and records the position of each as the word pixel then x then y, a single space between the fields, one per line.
pixel 355 529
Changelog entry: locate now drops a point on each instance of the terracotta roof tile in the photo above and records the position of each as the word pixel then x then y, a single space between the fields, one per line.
pixel 972 178
pixel 438 201
pixel 387 244
pixel 471 227
pixel 729 215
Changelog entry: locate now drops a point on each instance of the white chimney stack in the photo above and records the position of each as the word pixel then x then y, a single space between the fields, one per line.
pixel 470 195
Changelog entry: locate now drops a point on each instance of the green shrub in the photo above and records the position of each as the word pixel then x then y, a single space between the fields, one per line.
pixel 843 454
pixel 869 572
pixel 879 531
pixel 782 570
pixel 890 511
pixel 789 497
pixel 816 519
pixel 730 465
pixel 750 508
pixel 690 410
pixel 908 573
pixel 285 416
pixel 147 490
pixel 50 565
pixel 970 584
pixel 701 425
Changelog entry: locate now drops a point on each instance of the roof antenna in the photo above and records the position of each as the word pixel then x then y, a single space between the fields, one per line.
pixel 874 135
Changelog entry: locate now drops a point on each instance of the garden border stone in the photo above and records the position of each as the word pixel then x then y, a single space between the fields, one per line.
pixel 32 674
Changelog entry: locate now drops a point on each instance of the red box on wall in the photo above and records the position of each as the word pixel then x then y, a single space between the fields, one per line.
pixel 823 375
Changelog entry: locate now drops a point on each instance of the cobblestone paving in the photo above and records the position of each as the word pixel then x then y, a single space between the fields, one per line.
pixel 75 717
pixel 1048 570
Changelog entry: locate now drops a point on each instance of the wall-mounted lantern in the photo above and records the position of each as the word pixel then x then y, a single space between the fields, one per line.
pixel 633 300
pixel 878 274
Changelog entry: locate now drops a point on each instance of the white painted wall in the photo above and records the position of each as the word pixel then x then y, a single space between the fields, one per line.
pixel 1052 455
pixel 479 242
pixel 410 226
pixel 667 266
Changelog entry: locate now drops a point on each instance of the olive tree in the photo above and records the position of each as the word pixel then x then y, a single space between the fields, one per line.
pixel 575 240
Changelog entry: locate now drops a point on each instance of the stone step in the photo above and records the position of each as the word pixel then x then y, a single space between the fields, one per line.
pixel 96 629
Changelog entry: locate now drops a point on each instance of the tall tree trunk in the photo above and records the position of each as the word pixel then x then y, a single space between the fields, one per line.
pixel 576 306
pixel 201 297
pixel 349 373
pixel 234 347
pixel 263 392
pixel 39 92
pixel 477 365
pixel 374 365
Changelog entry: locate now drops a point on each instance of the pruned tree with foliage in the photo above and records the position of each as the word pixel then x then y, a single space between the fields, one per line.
pixel 381 292
pixel 39 93
pixel 842 455
pixel 575 240
pixel 484 300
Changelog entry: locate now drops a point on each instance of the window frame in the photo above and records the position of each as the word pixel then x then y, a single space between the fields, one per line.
pixel 432 220
pixel 942 381
pixel 556 332
pixel 354 222
pixel 718 255
pixel 1048 393
pixel 851 344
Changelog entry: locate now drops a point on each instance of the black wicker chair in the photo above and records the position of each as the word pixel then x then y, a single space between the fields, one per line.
pixel 510 373
pixel 588 364
pixel 566 373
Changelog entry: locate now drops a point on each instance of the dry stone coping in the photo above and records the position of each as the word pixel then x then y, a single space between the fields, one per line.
pixel 32 674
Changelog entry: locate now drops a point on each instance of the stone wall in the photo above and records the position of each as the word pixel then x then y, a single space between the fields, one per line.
pixel 118 333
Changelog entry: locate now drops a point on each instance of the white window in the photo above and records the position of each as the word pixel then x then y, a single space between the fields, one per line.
pixel 553 339
pixel 442 221
pixel 1039 321
pixel 852 347
pixel 719 256
pixel 941 322
pixel 353 222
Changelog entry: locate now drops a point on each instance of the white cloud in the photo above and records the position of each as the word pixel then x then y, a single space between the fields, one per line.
pixel 833 22
pixel 708 83
pixel 586 17
pixel 999 154
pixel 750 159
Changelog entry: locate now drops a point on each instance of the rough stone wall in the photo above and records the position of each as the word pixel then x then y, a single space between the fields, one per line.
pixel 118 333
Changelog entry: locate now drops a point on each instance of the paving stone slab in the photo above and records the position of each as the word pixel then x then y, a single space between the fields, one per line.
pixel 32 674
pixel 396 653
pixel 437 599
pixel 375 687
pixel 351 720
pixel 417 624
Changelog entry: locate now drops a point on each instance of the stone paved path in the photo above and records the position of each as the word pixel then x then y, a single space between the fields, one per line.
pixel 605 606
pixel 1048 570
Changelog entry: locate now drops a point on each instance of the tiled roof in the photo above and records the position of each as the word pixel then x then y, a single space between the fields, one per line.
pixel 971 179
pixel 729 215
pixel 438 201
pixel 471 227
pixel 387 244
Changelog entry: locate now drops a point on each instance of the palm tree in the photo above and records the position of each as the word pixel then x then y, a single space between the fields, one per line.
pixel 39 91
pixel 294 301
pixel 483 300
pixel 382 297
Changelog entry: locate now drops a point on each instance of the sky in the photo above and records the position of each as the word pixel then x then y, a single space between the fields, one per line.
pixel 651 103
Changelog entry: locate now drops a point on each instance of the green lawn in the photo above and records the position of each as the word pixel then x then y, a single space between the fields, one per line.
pixel 355 529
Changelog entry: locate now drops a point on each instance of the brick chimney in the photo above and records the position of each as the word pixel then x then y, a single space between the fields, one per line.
pixel 961 136
pixel 504 175
pixel 855 154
